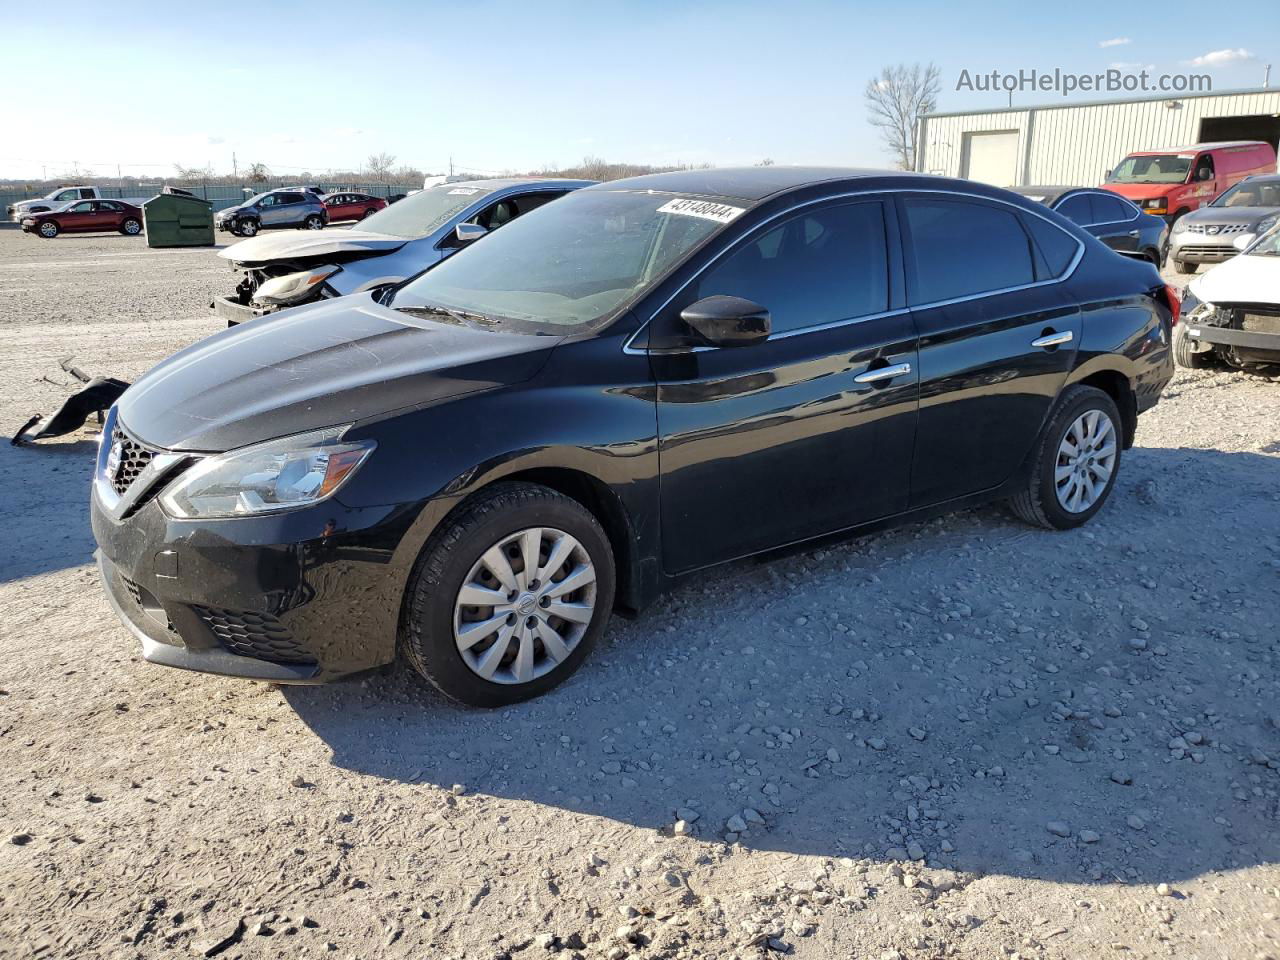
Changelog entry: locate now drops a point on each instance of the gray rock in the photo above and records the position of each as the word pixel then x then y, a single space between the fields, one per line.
pixel 1121 777
pixel 1135 822
pixel 736 824
pixel 1058 828
pixel 688 813
pixel 1088 836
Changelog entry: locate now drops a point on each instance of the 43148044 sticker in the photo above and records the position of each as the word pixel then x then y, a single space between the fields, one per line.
pixel 706 209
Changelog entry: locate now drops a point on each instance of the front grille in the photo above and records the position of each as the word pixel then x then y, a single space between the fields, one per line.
pixel 134 458
pixel 135 591
pixel 1260 322
pixel 150 606
pixel 249 634
pixel 1207 250
pixel 1213 231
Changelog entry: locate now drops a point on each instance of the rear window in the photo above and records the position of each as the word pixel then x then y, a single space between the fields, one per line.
pixel 963 248
pixel 1110 209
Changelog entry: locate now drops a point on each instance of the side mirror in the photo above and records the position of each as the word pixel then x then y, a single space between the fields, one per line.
pixel 1204 174
pixel 1243 242
pixel 728 321
pixel 469 232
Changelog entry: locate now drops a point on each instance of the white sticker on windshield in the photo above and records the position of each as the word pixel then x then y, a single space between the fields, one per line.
pixel 719 212
pixel 463 191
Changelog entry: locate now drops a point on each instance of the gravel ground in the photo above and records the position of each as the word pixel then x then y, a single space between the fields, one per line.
pixel 962 738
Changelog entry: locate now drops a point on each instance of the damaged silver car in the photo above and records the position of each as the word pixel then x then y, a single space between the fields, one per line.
pixel 287 270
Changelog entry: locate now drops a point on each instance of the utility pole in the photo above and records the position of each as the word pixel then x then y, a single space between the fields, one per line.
pixel 451 165
pixel 1266 76
pixel 235 171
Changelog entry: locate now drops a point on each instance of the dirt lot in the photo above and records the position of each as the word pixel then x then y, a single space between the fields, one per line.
pixel 964 738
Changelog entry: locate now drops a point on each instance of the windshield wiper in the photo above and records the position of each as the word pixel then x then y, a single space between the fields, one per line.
pixel 473 320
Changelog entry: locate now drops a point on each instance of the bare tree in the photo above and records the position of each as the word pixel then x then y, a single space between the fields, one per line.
pixel 896 100
pixel 258 173
pixel 379 166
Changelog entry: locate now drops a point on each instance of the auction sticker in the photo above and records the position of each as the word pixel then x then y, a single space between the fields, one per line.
pixel 719 212
pixel 463 191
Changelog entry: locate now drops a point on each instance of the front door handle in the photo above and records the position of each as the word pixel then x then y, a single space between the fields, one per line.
pixel 883 373
pixel 1053 339
pixel 1133 233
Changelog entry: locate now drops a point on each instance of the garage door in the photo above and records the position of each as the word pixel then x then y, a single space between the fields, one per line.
pixel 992 157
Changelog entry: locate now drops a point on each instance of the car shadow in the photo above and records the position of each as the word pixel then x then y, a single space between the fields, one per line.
pixel 963 690
pixel 41 486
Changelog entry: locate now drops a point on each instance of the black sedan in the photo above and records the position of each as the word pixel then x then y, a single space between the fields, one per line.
pixel 475 468
pixel 1112 219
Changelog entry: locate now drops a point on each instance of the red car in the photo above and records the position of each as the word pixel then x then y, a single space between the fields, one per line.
pixel 351 206
pixel 86 216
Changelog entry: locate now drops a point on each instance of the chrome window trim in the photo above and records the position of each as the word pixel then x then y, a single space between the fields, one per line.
pixel 628 348
pixel 1137 211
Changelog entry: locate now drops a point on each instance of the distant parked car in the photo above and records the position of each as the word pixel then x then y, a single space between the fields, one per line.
pixel 351 206
pixel 1232 313
pixel 1172 183
pixel 275 208
pixel 56 199
pixel 86 216
pixel 1208 235
pixel 1112 219
pixel 389 246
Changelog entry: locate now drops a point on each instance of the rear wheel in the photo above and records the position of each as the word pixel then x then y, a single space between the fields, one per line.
pixel 131 227
pixel 247 228
pixel 1184 355
pixel 314 222
pixel 370 212
pixel 1075 462
pixel 508 596
pixel 48 229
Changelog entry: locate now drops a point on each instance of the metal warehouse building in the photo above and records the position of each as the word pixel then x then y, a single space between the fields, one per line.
pixel 1076 144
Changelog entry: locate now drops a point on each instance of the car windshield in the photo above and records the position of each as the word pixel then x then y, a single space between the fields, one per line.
pixel 569 264
pixel 425 211
pixel 1266 246
pixel 1157 168
pixel 1265 193
pixel 255 198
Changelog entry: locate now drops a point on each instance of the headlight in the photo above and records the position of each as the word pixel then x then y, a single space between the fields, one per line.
pixel 1201 313
pixel 1156 205
pixel 1265 224
pixel 292 287
pixel 267 477
pixel 1180 226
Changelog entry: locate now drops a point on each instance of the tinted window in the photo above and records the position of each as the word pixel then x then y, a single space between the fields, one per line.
pixel 85 207
pixel 1055 248
pixel 816 268
pixel 1076 208
pixel 962 248
pixel 288 198
pixel 1110 209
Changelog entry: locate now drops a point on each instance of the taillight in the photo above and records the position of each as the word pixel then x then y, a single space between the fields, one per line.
pixel 1175 304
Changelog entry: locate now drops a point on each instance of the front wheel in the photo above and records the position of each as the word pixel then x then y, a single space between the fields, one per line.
pixel 1183 267
pixel 508 596
pixel 247 228
pixel 48 229
pixel 314 222
pixel 131 227
pixel 1184 355
pixel 1075 462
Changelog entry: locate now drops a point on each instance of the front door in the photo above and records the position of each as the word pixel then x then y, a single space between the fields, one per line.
pixel 79 216
pixel 998 336
pixel 810 431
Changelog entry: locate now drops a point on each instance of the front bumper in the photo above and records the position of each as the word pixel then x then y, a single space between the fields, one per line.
pixel 306 596
pixel 1254 341
pixel 1201 248
pixel 236 313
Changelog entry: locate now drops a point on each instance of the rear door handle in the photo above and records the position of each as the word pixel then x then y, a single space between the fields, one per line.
pixel 1133 233
pixel 1053 339
pixel 883 373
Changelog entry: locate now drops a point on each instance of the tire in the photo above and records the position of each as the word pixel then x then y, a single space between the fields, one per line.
pixel 313 222
pixel 246 228
pixel 48 229
pixel 1184 356
pixel 131 227
pixel 479 529
pixel 370 212
pixel 1038 503
pixel 1183 267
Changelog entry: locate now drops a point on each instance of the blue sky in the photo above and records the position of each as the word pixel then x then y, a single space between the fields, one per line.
pixel 499 85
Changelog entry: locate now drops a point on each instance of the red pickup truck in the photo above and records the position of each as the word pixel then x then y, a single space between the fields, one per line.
pixel 1169 183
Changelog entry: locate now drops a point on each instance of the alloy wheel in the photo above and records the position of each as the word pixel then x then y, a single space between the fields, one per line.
pixel 132 227
pixel 1086 460
pixel 525 605
pixel 48 229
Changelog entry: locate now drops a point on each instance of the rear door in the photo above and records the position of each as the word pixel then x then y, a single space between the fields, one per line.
pixel 110 214
pixel 998 335
pixel 1115 222
pixel 810 431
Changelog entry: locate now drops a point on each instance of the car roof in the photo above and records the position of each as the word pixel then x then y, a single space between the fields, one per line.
pixel 756 183
pixel 1199 147
pixel 1051 194
pixel 500 183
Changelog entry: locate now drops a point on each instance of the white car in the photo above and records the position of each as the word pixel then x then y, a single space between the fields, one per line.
pixel 1233 311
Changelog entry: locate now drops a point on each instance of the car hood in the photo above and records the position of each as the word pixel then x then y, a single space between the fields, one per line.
pixel 321 365
pixel 1226 215
pixel 1141 191
pixel 294 245
pixel 1242 279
